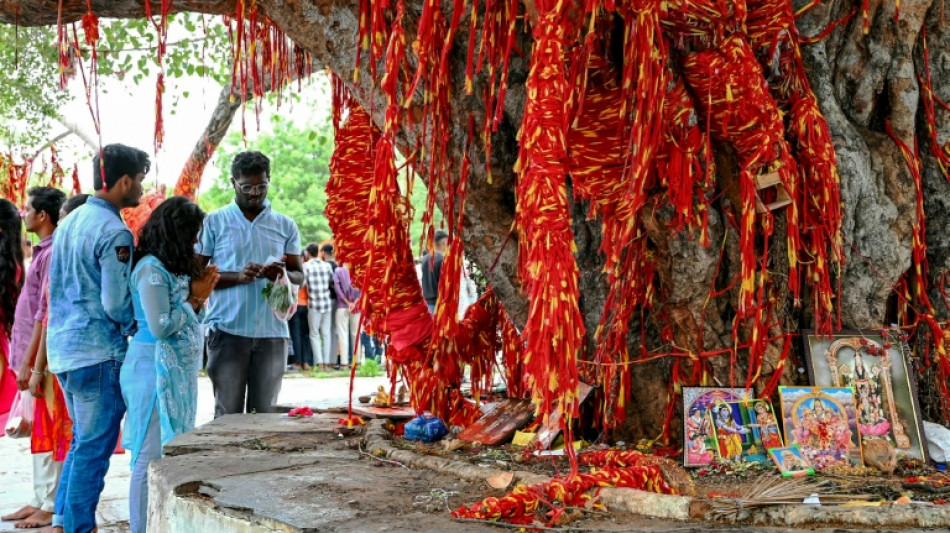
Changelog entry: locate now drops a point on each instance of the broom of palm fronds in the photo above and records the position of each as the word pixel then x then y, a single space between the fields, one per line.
pixel 773 490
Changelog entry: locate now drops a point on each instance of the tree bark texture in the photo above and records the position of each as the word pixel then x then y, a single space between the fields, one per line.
pixel 860 80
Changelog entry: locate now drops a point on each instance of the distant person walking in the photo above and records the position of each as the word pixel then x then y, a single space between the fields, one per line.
pixel 432 270
pixel 159 377
pixel 328 256
pixel 319 277
pixel 347 313
pixel 247 344
pixel 90 320
pixel 299 326
pixel 468 290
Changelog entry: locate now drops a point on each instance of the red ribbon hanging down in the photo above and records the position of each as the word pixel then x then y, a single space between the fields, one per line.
pixel 445 351
pixel 162 28
pixel 919 244
pixel 512 353
pixel 56 173
pixel 481 335
pixel 918 291
pixel 17 178
pixel 554 330
pixel 772 33
pixel 940 152
pixel 433 384
pixel 682 164
pixel 597 158
pixel 364 211
pixel 741 112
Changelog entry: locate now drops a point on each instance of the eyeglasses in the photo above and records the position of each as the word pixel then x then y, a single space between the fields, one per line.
pixel 253 189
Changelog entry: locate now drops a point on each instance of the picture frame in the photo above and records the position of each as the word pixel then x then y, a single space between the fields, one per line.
pixel 791 462
pixel 699 440
pixel 821 421
pixel 745 430
pixel 875 364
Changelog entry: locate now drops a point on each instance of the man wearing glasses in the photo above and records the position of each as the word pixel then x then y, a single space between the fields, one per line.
pixel 252 245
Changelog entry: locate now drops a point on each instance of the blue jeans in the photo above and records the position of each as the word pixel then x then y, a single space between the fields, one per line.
pixel 138 486
pixel 95 404
pixel 371 347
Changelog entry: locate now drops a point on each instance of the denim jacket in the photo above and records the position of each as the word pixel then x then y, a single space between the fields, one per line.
pixel 90 306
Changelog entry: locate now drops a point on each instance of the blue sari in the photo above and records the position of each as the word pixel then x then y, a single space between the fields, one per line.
pixel 161 367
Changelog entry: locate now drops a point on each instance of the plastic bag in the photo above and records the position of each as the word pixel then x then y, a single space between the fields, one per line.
pixel 425 428
pixel 20 421
pixel 281 296
pixel 938 441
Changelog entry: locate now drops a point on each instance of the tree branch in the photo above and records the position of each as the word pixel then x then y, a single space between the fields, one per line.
pixel 104 51
pixel 229 101
pixel 49 143
pixel 74 128
pixel 45 12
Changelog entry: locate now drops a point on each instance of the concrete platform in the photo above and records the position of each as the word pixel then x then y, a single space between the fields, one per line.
pixel 268 473
pixel 245 473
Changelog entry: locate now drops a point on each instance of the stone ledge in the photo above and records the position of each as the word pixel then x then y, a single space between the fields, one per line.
pixel 891 516
pixel 256 431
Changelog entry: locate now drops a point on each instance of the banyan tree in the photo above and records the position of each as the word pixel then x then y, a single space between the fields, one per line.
pixel 659 193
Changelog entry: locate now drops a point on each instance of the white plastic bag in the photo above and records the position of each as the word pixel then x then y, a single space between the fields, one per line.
pixel 281 296
pixel 938 441
pixel 20 422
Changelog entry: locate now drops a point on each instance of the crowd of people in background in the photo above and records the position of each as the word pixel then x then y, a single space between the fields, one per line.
pixel 103 325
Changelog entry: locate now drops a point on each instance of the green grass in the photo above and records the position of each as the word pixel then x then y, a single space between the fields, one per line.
pixel 321 374
pixel 369 369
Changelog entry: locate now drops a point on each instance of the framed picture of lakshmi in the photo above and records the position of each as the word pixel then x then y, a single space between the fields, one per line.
pixel 745 430
pixel 875 366
pixel 699 446
pixel 822 422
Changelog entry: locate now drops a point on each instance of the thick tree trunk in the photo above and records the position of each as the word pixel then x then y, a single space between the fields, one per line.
pixel 861 81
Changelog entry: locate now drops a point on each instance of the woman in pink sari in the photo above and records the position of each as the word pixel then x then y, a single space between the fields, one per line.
pixel 11 280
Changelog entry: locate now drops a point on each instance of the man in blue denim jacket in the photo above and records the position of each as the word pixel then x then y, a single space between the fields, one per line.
pixel 90 320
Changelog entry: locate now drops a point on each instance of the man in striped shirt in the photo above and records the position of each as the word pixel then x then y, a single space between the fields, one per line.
pixel 319 276
pixel 247 344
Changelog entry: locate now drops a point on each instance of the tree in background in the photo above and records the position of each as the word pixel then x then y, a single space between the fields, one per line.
pixel 31 98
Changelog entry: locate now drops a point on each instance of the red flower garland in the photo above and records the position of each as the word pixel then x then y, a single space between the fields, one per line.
pixel 610 468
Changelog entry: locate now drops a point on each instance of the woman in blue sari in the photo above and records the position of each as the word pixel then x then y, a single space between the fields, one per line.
pixel 159 377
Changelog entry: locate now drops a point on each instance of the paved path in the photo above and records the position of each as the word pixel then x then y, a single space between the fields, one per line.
pixel 16 468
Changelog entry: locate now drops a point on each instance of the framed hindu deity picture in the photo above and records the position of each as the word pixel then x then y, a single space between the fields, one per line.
pixel 791 462
pixel 822 422
pixel 700 447
pixel 876 367
pixel 745 430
